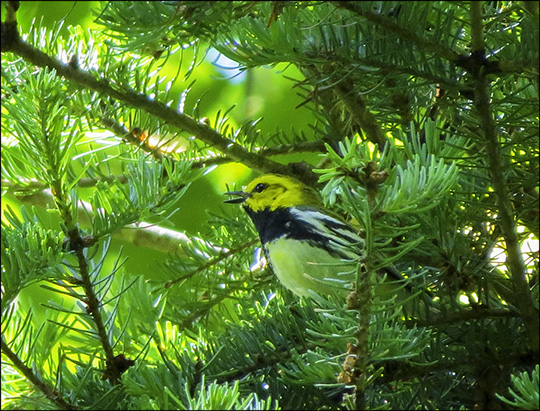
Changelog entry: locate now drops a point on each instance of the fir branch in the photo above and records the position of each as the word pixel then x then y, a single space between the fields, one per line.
pixel 75 241
pixel 360 113
pixel 267 361
pixel 363 298
pixel 387 24
pixel 464 316
pixel 302 147
pixel 393 67
pixel 344 91
pixel 496 168
pixel 415 363
pixel 50 392
pixel 325 97
pixel 401 371
pixel 141 101
pixel 196 315
pixel 477 37
pixel 30 186
pixel 197 163
pixel 142 233
pixel 77 244
pixel 216 260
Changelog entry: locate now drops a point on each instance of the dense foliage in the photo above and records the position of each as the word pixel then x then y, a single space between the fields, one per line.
pixel 418 123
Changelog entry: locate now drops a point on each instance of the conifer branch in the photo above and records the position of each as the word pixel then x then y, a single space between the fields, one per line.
pixel 77 244
pixel 50 392
pixel 223 255
pixel 360 113
pixel 434 47
pixel 93 304
pixel 280 356
pixel 361 300
pixel 516 265
pixel 141 101
pixel 302 147
pixel 387 24
pixel 142 234
pixel 463 316
pixel 477 36
pixel 30 186
pixel 361 118
pixel 214 302
pixel 359 374
pixel 400 371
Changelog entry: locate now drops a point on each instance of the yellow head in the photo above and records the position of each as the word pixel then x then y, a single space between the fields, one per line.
pixel 272 191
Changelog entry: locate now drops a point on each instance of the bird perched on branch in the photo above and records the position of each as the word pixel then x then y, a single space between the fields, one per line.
pixel 310 249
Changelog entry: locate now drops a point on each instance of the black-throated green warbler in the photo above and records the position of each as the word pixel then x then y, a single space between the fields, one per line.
pixel 308 248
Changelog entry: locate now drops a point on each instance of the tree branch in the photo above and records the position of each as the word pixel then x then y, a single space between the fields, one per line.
pixel 303 147
pixel 29 186
pixel 496 168
pixel 50 392
pixel 91 299
pixel 405 371
pixel 141 101
pixel 142 234
pixel 463 316
pixel 223 255
pixel 360 113
pixel 380 20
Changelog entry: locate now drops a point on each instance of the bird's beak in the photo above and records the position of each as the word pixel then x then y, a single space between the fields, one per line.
pixel 242 196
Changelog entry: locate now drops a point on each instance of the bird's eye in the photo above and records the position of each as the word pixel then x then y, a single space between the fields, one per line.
pixel 259 188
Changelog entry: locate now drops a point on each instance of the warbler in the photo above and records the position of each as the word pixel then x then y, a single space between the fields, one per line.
pixel 309 248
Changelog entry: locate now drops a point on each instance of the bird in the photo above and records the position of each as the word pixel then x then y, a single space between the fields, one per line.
pixel 311 250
